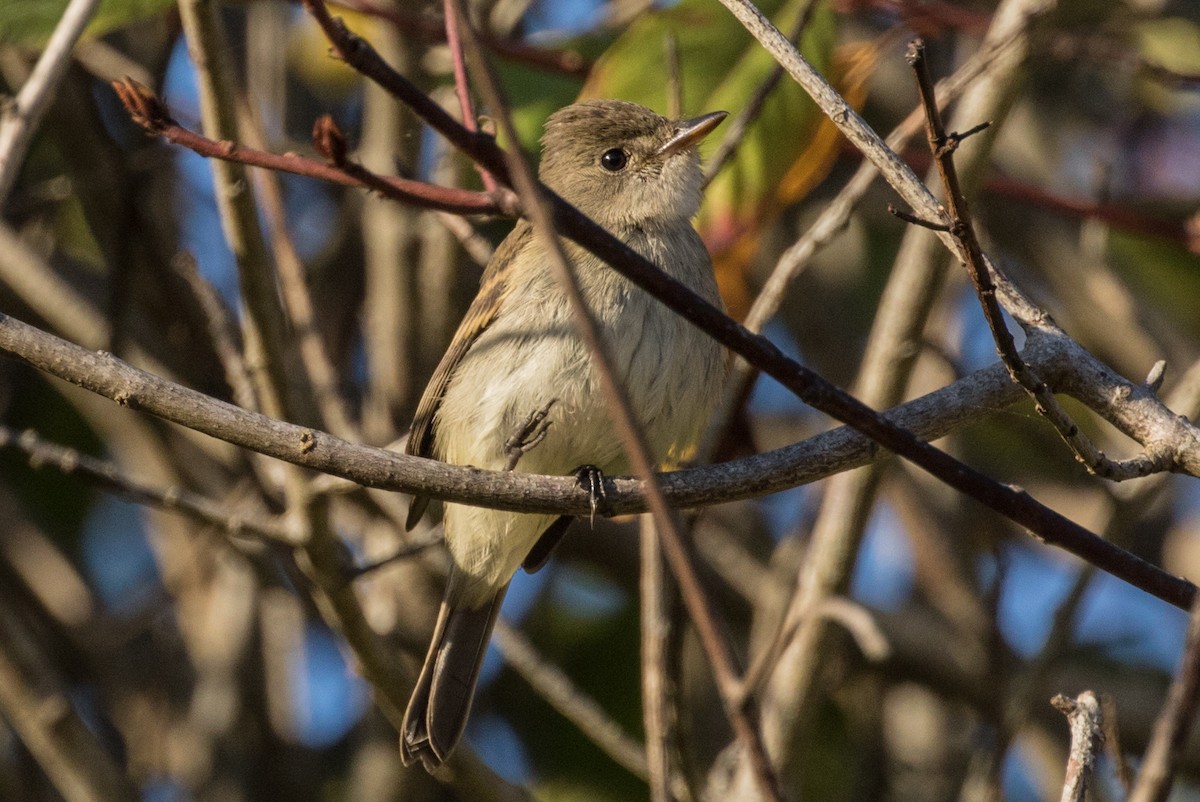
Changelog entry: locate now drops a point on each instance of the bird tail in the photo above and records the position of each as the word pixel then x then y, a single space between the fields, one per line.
pixel 437 711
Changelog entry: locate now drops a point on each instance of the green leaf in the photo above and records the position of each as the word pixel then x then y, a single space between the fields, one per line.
pixel 721 67
pixel 30 22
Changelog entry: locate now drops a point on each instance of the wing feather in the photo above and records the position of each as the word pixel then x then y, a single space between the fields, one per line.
pixel 482 313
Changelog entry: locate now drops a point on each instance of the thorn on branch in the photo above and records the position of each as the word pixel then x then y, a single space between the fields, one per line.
pixel 145 107
pixel 908 217
pixel 970 132
pixel 950 142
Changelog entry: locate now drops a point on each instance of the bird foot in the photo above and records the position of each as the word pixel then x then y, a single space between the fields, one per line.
pixel 591 479
pixel 530 434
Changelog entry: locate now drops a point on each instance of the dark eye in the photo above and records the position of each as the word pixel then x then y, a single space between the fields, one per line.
pixel 613 160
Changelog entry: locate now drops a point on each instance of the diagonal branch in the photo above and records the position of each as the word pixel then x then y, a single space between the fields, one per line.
pixel 1175 722
pixel 148 111
pixel 742 713
pixel 20 119
pixel 109 477
pixel 942 145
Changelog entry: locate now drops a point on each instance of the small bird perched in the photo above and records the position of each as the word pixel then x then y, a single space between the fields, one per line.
pixel 517 353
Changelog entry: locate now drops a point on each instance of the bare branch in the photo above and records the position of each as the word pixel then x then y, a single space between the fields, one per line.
pixel 562 694
pixel 1083 713
pixel 655 623
pixel 372 467
pixel 21 117
pixel 461 86
pixel 1175 721
pixel 149 112
pixel 961 227
pixel 108 476
pixel 37 705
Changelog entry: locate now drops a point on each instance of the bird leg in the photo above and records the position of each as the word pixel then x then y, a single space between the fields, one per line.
pixel 526 438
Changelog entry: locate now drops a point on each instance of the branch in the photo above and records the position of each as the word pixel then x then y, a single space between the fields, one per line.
pixel 263 325
pixel 942 145
pixel 1083 713
pixel 567 62
pixel 561 693
pixel 654 624
pixel 1174 722
pixel 37 705
pixel 820 456
pixel 834 217
pixel 461 88
pixel 21 117
pixel 735 129
pixel 148 111
pixel 109 477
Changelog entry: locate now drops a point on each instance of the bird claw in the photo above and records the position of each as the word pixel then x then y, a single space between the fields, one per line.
pixel 591 479
pixel 531 433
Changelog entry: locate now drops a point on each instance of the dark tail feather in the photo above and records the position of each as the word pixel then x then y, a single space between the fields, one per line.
pixel 437 711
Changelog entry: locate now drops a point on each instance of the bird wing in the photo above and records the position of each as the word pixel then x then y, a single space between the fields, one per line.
pixel 483 311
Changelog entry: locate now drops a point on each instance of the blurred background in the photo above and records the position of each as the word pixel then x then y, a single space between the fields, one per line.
pixel 202 662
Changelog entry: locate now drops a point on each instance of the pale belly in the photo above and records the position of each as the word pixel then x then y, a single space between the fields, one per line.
pixel 531 356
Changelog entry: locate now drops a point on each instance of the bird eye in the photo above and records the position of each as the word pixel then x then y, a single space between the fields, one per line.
pixel 614 160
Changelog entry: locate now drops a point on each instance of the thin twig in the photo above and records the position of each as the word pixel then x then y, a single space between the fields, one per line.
pixel 1083 713
pixel 37 703
pixel 719 652
pixel 150 113
pixel 1112 742
pixel 21 116
pixel 569 700
pixel 932 225
pixel 736 129
pixel 674 75
pixel 1174 723
pixel 462 87
pixel 221 330
pixel 263 324
pixel 567 62
pixel 961 226
pixel 320 375
pixel 107 476
pixel 655 625
pixel 833 219
pixel 474 244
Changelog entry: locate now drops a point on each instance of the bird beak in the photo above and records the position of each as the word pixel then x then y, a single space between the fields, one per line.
pixel 688 133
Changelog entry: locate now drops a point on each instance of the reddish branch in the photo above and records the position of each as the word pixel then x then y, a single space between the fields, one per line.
pixel 462 87
pixel 148 111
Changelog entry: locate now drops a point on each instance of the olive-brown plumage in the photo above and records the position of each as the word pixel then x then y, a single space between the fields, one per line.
pixel 638 175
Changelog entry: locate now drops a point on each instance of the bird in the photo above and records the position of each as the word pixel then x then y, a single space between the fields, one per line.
pixel 516 355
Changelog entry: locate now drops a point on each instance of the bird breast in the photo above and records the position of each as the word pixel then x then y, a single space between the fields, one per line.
pixel 670 370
